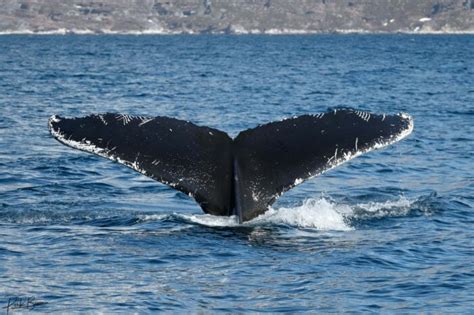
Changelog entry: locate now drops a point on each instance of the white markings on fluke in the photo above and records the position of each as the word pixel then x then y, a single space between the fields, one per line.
pixel 363 115
pixel 254 196
pixel 333 158
pixel 144 120
pixel 379 144
pixel 54 118
pixel 86 145
pixel 298 181
pixel 125 119
pixel 101 117
pixel 334 161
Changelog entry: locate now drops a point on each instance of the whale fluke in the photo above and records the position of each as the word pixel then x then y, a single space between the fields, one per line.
pixel 195 160
pixel 241 176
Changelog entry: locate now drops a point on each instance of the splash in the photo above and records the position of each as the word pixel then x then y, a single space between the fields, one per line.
pixel 320 214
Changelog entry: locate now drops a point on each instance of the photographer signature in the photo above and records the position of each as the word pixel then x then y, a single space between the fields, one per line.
pixel 17 303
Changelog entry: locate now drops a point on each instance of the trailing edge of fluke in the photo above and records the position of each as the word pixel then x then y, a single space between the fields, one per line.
pixel 241 176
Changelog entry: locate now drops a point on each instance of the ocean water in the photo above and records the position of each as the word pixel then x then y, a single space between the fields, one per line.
pixel 390 231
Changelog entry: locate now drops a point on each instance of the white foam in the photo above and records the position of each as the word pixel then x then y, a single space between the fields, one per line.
pixel 210 220
pixel 320 214
pixel 402 202
pixel 399 207
pixel 153 217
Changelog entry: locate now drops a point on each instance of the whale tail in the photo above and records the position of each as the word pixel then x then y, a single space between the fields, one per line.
pixel 241 176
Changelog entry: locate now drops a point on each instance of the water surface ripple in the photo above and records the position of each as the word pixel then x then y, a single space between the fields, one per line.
pixel 390 231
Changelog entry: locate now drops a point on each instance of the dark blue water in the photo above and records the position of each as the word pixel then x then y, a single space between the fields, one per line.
pixel 391 231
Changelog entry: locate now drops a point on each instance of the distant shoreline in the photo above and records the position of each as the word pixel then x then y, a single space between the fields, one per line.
pixel 235 17
pixel 270 32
